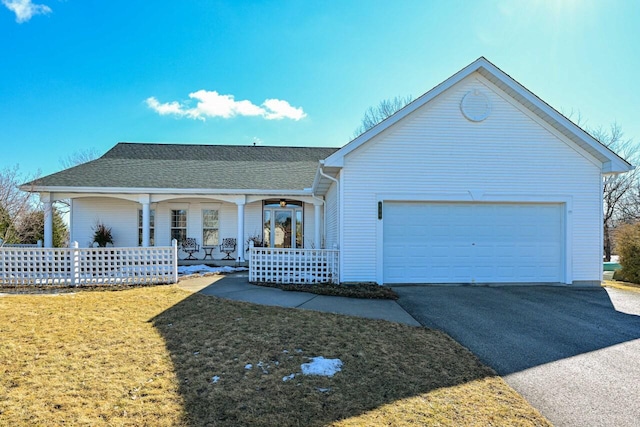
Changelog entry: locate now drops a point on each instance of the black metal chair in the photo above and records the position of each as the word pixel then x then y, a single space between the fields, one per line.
pixel 228 246
pixel 190 246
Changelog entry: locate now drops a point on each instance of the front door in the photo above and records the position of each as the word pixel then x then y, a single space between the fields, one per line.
pixel 282 226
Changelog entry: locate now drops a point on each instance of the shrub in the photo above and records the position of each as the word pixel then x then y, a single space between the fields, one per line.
pixel 628 244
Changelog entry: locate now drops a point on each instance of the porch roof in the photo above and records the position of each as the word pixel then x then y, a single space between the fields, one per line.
pixel 181 166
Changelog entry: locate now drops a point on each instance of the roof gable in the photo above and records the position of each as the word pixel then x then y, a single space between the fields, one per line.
pixel 611 162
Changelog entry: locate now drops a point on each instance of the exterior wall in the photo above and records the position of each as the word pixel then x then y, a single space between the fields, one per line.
pixel 437 153
pixel 332 221
pixel 308 226
pixel 122 216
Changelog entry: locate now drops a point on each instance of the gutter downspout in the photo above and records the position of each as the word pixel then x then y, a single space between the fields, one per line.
pixel 337 193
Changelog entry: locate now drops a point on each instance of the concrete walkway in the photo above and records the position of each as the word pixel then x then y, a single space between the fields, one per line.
pixel 237 287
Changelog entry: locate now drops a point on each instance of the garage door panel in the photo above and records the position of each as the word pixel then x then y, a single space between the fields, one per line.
pixel 472 242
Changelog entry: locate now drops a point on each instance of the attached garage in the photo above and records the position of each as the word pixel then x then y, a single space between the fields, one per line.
pixel 473 242
pixel 476 181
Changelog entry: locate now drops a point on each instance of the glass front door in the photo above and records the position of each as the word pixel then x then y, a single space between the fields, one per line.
pixel 282 225
pixel 283 220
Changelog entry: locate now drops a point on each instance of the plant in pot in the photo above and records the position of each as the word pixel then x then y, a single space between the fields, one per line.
pixel 257 242
pixel 102 235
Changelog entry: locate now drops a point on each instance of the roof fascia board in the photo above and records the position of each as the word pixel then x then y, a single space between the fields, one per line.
pixel 539 120
pixel 580 133
pixel 132 190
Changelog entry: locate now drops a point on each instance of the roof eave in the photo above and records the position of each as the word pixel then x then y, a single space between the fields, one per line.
pixel 147 190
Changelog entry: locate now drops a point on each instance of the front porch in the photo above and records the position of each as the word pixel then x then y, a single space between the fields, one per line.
pixel 148 220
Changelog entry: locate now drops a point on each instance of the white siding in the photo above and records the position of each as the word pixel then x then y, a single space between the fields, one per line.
pixel 331 199
pixel 436 151
pixel 252 220
pixel 309 226
pixel 120 215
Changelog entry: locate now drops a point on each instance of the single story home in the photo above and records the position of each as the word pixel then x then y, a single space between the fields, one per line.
pixel 476 181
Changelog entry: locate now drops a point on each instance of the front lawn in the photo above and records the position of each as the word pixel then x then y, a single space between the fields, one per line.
pixel 161 356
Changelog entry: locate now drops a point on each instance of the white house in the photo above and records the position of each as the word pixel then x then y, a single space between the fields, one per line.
pixel 476 181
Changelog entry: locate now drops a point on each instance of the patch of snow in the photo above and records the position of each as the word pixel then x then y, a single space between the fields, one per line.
pixel 248 366
pixel 195 353
pixel 215 379
pixel 285 351
pixel 323 390
pixel 201 269
pixel 615 258
pixel 263 367
pixel 298 350
pixel 288 377
pixel 321 366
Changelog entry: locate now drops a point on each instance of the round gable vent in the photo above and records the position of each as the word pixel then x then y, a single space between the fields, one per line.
pixel 475 106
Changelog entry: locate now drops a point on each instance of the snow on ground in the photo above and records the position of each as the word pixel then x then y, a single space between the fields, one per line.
pixel 321 366
pixel 288 377
pixel 184 270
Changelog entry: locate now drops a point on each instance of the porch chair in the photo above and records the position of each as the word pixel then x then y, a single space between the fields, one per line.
pixel 228 246
pixel 190 246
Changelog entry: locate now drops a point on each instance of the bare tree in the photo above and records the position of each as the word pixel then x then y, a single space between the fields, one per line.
pixel 14 203
pixel 76 158
pixel 621 193
pixel 79 157
pixel 384 109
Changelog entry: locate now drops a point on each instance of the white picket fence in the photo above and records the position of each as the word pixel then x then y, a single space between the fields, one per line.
pixel 88 266
pixel 285 265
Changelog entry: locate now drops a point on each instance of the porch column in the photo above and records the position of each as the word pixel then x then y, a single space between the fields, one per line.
pixel 146 220
pixel 45 198
pixel 316 216
pixel 240 239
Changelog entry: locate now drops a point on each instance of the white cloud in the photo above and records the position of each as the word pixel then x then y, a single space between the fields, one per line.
pixel 213 104
pixel 279 109
pixel 166 108
pixel 24 9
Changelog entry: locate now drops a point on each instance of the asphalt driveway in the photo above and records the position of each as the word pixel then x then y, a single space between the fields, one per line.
pixel 573 353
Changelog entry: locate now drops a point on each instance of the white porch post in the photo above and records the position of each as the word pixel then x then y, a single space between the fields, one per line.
pixel 146 220
pixel 240 239
pixel 45 198
pixel 317 235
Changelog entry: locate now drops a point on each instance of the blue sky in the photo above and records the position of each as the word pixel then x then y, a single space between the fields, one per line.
pixel 88 74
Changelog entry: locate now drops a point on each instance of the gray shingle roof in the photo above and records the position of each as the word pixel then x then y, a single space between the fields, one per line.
pixel 137 165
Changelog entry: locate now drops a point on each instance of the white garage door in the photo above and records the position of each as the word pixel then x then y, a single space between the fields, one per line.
pixel 472 242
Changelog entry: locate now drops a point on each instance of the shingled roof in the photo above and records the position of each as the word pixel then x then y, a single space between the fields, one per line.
pixel 179 166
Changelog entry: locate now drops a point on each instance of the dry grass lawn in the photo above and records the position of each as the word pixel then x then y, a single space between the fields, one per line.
pixel 147 356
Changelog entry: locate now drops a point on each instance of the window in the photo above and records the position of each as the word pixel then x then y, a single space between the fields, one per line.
pixel 179 224
pixel 152 223
pixel 210 226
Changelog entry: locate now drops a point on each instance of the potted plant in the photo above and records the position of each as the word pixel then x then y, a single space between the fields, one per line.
pixel 102 235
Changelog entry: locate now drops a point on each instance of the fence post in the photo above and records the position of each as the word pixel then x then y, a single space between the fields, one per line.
pixel 174 247
pixel 39 243
pixel 75 264
pixel 252 264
